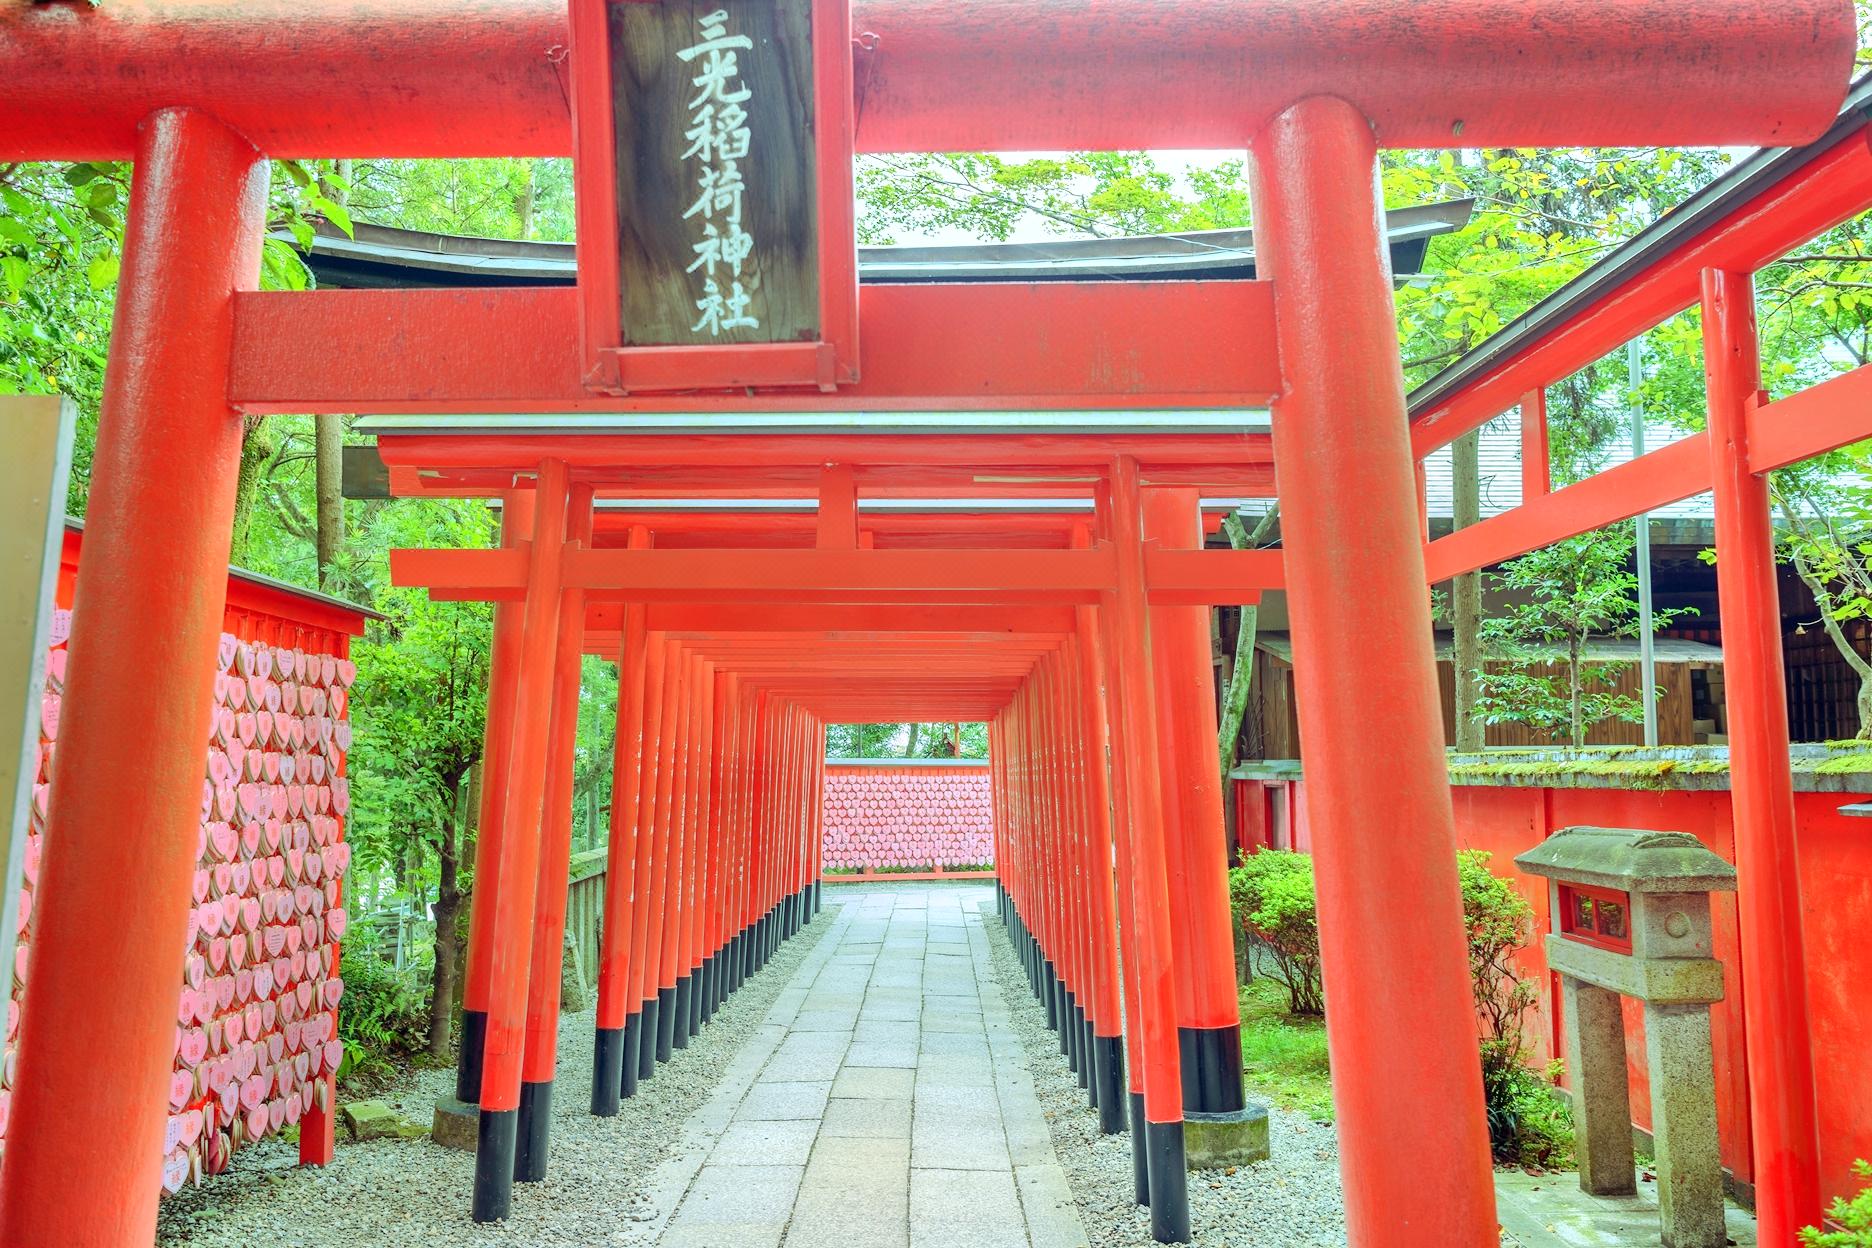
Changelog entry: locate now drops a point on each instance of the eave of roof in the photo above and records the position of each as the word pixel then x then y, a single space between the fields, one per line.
pixel 385 256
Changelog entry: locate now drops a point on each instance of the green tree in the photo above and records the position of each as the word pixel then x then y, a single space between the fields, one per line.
pixel 1561 598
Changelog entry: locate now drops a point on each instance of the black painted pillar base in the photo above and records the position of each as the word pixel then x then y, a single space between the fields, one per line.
pixel 1087 1061
pixel 1169 1182
pixel 705 999
pixel 1108 1075
pixel 494 1164
pixel 698 997
pixel 666 1023
pixel 1212 1069
pixel 1140 1152
pixel 633 1053
pixel 473 1042
pixel 607 1071
pixel 647 1038
pixel 1050 987
pixel 534 1132
pixel 685 1002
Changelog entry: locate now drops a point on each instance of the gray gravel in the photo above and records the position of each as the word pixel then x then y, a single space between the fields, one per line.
pixel 395 1194
pixel 1291 1200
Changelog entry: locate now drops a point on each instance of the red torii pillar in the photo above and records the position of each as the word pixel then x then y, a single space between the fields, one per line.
pixel 80 1164
pixel 1390 917
pixel 1208 1005
pixel 519 858
pixel 545 976
pixel 503 677
pixel 1775 1017
pixel 614 1072
pixel 1137 751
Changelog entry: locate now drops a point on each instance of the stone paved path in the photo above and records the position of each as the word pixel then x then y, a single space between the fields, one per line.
pixel 884 1103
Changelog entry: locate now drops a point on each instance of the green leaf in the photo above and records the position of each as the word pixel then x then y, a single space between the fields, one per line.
pixel 16 272
pixel 102 272
pixel 334 212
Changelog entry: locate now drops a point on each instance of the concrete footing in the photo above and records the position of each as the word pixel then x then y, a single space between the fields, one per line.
pixel 1214 1141
pixel 457 1124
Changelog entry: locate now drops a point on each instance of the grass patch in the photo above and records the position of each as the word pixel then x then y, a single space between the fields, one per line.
pixel 1284 1056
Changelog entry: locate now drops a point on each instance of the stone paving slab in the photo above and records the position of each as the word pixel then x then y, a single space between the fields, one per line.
pixel 884 1104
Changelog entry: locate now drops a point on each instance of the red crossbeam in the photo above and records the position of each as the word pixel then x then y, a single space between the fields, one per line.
pixel 1003 345
pixel 486 78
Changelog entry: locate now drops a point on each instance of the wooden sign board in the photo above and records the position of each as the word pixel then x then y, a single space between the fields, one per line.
pixel 713 149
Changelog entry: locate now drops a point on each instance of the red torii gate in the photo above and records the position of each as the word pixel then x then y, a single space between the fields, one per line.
pixel 970 598
pixel 197 91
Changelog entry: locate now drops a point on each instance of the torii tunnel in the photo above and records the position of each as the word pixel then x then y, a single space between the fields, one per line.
pixel 1074 630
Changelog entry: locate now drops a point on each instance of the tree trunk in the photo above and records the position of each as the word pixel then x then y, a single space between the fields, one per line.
pixel 911 744
pixel 1466 593
pixel 447 937
pixel 1823 598
pixel 328 473
pixel 1575 715
pixel 1241 679
pixel 255 449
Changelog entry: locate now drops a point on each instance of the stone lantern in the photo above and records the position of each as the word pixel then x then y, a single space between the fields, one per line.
pixel 1631 917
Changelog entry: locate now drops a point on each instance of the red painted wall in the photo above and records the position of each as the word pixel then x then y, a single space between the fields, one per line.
pixel 907 816
pixel 1836 878
pixel 254 1048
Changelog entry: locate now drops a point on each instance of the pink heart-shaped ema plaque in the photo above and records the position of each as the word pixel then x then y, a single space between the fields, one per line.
pixel 263 726
pixel 234 1027
pixel 224 653
pixel 333 990
pixel 191 1127
pixel 273 702
pixel 198 887
pixel 181 1088
pixel 334 1054
pixel 275 941
pixel 256 690
pixel 263 988
pixel 276 870
pixel 187 1007
pixel 250 913
pixel 257 1120
pixel 293 937
pixel 338 699
pixel 223 840
pixel 194 1046
pixel 269 1018
pixel 286 663
pixel 342 735
pixel 223 875
pixel 224 991
pixel 263 660
pixel 341 794
pixel 274 830
pixel 314 866
pixel 237 949
pixel 175 1171
pixel 224 801
pixel 275 1045
pixel 217 953
pixel 49 716
pixel 247 1056
pixel 346 672
pixel 318 769
pixel 298 960
pixel 232 693
pixel 243 979
pixel 219 769
pixel 305 993
pixel 308 925
pixel 295 863
pixel 289 699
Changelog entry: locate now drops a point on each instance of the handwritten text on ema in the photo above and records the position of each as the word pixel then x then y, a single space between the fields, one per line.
pixel 719 139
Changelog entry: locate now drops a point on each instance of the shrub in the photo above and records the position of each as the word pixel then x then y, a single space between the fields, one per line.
pixel 1854 1217
pixel 384 1016
pixel 1527 1125
pixel 1271 895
